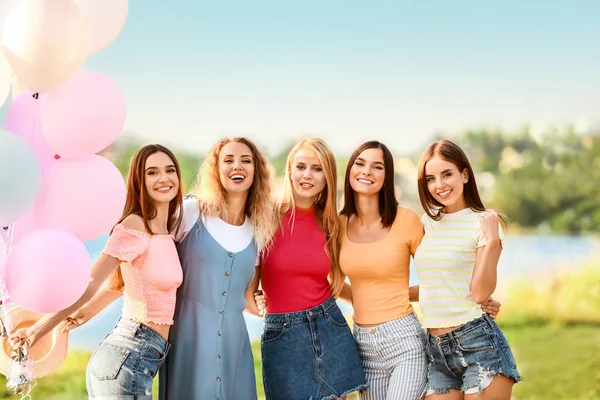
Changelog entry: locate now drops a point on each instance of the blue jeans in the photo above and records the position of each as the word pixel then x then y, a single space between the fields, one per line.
pixel 468 358
pixel 310 355
pixel 126 362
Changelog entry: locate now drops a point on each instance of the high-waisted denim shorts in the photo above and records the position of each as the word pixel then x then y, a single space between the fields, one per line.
pixel 310 355
pixel 126 362
pixel 468 358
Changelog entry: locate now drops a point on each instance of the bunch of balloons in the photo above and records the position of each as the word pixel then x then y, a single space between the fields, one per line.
pixel 55 192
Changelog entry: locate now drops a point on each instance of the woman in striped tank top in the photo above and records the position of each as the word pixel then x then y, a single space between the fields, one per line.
pixel 457 261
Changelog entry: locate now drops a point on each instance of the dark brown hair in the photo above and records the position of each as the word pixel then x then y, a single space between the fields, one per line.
pixel 388 204
pixel 450 152
pixel 138 200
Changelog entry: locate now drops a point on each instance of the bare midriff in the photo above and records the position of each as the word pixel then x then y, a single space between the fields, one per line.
pixel 163 330
pixel 369 325
pixel 441 331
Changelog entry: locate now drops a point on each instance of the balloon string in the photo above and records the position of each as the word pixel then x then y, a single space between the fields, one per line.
pixel 4 295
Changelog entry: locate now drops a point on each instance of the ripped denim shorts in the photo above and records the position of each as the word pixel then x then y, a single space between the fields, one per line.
pixel 468 357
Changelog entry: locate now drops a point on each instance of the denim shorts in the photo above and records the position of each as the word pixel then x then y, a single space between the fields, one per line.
pixel 310 355
pixel 126 362
pixel 468 357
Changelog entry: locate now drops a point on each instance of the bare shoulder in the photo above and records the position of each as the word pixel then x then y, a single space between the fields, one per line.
pixel 134 222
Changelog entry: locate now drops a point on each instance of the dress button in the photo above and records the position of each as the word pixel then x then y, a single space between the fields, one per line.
pixel 224 293
pixel 310 313
pixel 219 333
pixel 218 355
pixel 230 255
pixel 372 331
pixel 227 273
pixel 218 379
pixel 221 312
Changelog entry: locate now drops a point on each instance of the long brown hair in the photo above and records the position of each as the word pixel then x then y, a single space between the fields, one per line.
pixel 325 206
pixel 259 204
pixel 450 152
pixel 139 202
pixel 388 205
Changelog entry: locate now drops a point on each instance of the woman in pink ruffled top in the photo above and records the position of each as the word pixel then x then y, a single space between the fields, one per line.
pixel 140 262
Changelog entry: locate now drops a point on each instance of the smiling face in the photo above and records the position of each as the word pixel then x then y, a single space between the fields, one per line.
pixel 308 177
pixel 236 167
pixel 160 177
pixel 367 174
pixel 446 184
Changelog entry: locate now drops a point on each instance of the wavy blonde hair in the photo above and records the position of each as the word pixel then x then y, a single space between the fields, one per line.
pixel 259 205
pixel 325 206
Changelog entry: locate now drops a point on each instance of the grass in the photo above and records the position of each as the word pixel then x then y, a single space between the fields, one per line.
pixel 557 362
pixel 570 296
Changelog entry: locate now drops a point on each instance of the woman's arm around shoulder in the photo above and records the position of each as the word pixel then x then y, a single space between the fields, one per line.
pixel 252 306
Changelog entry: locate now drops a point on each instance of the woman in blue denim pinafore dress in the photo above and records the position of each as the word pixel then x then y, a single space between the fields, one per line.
pixel 210 355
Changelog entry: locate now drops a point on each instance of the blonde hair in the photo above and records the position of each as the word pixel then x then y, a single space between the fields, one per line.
pixel 325 206
pixel 259 206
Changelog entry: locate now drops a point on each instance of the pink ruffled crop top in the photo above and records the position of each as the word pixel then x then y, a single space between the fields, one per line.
pixel 151 271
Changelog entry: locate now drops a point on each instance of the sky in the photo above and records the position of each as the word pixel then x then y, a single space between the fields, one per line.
pixel 349 71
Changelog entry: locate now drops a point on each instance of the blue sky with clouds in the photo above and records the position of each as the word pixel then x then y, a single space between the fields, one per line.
pixel 348 71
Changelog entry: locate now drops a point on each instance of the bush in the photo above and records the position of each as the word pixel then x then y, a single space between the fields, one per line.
pixel 569 297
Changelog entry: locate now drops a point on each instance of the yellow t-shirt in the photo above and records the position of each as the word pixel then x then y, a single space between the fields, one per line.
pixel 379 271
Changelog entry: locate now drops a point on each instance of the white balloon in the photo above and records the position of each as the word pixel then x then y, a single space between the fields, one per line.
pixel 5 71
pixel 45 42
pixel 5 79
pixel 20 177
pixel 105 18
pixel 5 8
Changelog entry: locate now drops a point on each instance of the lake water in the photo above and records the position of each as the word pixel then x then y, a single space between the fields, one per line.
pixel 526 257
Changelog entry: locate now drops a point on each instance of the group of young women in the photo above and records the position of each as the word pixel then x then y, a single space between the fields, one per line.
pixel 188 269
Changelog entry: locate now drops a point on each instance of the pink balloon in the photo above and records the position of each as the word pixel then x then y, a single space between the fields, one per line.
pixel 47 271
pixel 24 119
pixel 83 116
pixel 84 196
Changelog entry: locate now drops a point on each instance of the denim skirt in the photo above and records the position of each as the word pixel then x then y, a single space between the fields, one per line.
pixel 126 362
pixel 310 355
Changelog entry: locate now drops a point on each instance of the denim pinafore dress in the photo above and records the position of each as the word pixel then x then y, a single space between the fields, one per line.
pixel 210 355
